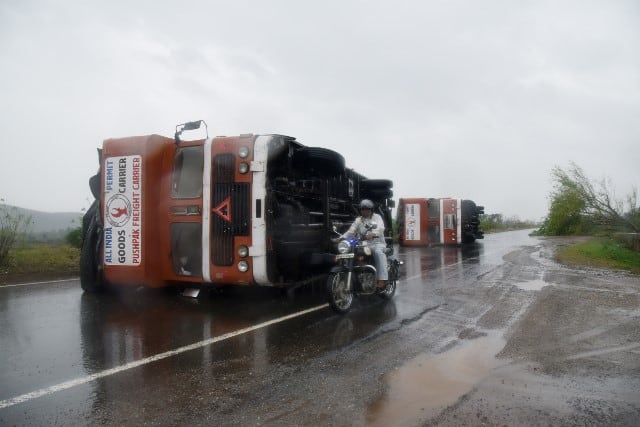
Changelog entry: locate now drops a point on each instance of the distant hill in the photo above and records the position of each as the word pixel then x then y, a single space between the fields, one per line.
pixel 47 222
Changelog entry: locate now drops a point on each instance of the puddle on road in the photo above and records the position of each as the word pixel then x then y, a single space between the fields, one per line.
pixel 532 285
pixel 428 384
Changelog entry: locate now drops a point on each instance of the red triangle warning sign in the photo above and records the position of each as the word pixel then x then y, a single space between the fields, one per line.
pixel 224 209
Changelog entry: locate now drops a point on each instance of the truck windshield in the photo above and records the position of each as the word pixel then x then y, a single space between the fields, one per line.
pixel 187 173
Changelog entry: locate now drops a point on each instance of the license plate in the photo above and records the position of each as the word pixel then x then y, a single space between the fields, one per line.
pixel 344 256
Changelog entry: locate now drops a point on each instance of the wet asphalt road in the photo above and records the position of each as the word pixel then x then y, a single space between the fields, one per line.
pixel 244 357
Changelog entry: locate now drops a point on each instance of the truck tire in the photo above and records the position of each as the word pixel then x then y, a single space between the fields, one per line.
pixel 94 185
pixel 376 184
pixel 377 193
pixel 90 272
pixel 325 162
pixel 89 216
pixel 376 189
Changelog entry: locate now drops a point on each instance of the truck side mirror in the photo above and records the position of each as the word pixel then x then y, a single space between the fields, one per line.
pixel 189 126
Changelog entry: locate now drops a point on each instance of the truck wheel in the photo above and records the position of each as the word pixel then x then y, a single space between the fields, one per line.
pixel 90 273
pixel 377 188
pixel 94 185
pixel 325 162
pixel 89 216
pixel 378 193
pixel 339 298
pixel 377 184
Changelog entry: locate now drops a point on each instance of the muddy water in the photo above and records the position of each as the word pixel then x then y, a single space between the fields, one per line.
pixel 427 384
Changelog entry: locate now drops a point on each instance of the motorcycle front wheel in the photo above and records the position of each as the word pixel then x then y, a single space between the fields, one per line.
pixel 340 299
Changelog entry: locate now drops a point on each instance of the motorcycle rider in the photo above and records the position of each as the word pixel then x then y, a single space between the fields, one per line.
pixel 362 229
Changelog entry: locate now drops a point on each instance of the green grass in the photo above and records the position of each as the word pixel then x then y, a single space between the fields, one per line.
pixel 600 253
pixel 42 258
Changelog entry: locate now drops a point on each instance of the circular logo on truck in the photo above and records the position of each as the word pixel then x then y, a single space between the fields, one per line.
pixel 118 210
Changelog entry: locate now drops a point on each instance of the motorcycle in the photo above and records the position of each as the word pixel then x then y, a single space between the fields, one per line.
pixel 354 273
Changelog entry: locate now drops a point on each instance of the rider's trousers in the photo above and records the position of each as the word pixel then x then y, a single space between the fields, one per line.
pixel 380 260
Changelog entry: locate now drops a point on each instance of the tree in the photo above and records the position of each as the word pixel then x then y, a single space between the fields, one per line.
pixel 491 222
pixel 577 205
pixel 633 215
pixel 12 226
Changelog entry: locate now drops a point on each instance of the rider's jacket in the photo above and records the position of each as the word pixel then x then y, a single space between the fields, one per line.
pixel 360 230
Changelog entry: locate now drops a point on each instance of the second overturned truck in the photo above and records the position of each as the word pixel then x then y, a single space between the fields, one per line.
pixel 243 210
pixel 444 221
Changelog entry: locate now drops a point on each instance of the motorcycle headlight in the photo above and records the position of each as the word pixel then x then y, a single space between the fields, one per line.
pixel 344 247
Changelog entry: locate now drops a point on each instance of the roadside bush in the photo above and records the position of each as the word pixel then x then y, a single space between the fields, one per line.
pixel 12 227
pixel 43 259
pixel 74 238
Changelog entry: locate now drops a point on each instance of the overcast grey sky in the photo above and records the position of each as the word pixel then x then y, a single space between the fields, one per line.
pixel 471 99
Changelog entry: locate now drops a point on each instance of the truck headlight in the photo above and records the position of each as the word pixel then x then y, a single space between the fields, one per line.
pixel 243 251
pixel 344 247
pixel 243 167
pixel 243 152
pixel 243 266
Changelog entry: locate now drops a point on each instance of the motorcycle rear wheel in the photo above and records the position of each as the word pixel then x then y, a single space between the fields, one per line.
pixel 389 291
pixel 340 299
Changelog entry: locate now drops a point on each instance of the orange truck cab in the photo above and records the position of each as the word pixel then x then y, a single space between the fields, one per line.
pixel 446 221
pixel 241 210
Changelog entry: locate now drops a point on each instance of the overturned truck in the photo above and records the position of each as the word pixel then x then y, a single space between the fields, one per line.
pixel 445 221
pixel 241 210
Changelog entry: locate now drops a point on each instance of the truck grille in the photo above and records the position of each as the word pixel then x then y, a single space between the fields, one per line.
pixel 231 209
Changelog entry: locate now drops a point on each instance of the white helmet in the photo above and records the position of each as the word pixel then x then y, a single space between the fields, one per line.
pixel 366 204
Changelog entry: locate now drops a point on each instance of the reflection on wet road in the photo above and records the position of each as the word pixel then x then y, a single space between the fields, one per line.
pixel 69 356
pixel 427 384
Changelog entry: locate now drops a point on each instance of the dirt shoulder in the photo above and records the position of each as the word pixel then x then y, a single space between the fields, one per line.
pixel 571 358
